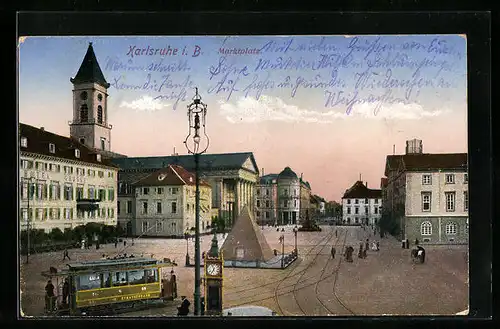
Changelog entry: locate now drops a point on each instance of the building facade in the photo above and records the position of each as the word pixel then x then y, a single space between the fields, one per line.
pixel 361 205
pixel 232 177
pixel 428 195
pixel 164 204
pixel 63 183
pixel 266 200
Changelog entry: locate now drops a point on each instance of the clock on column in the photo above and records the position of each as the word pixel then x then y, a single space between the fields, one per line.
pixel 214 265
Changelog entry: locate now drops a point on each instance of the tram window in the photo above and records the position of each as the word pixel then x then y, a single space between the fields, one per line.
pixel 106 280
pixel 119 279
pixel 152 275
pixel 136 277
pixel 89 281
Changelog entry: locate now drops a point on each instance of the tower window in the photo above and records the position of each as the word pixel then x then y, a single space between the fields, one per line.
pixel 84 113
pixel 77 153
pixel 103 143
pixel 24 142
pixel 82 140
pixel 52 148
pixel 99 114
pixel 84 95
pixel 99 97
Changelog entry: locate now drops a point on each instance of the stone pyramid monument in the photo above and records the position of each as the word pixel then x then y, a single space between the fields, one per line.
pixel 246 242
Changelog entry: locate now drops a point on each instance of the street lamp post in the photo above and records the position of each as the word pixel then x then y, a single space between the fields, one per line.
pixel 186 236
pixel 197 145
pixel 295 229
pixel 282 251
pixel 28 224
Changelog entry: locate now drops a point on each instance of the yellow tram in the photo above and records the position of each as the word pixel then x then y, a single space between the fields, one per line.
pixel 109 284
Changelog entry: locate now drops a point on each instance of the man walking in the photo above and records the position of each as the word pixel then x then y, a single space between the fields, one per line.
pixel 333 251
pixel 66 254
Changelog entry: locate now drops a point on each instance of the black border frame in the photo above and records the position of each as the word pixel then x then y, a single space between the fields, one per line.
pixel 476 25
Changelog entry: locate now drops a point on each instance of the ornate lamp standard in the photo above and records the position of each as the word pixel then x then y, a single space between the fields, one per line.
pixel 196 145
pixel 295 229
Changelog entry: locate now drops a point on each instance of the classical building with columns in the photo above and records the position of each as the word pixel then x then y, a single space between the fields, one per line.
pixel 232 177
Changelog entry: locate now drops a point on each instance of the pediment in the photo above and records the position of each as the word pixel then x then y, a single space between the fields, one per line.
pixel 248 164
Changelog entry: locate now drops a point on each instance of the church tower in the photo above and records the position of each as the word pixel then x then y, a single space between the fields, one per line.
pixel 90 105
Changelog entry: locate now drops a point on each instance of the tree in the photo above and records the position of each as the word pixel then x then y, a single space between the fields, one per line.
pixel 56 234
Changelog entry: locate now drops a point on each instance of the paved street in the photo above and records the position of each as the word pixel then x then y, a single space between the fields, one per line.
pixel 386 282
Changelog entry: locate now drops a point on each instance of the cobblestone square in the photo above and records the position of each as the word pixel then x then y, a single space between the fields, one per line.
pixel 384 283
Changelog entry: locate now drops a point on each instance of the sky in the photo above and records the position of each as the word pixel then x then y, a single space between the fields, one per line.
pixel 329 107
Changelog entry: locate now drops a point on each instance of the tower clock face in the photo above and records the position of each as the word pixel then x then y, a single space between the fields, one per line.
pixel 213 269
pixel 84 95
pixel 99 97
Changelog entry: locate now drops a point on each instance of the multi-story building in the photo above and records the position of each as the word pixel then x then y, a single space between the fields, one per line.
pixel 63 183
pixel 305 200
pixel 288 197
pixel 361 205
pixel 427 194
pixel 232 177
pixel 266 198
pixel 164 203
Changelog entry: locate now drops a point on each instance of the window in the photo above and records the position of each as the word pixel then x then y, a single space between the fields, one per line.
pixel 159 226
pixel 91 192
pixel 77 153
pixel 88 281
pixel 174 207
pixel 118 207
pixel 366 210
pixel 52 148
pixel 356 210
pixel 426 201
pixel 174 190
pixel 356 201
pixel 450 179
pixel 159 190
pixel 79 192
pixel 466 179
pixel 376 201
pixel 285 203
pixel 129 207
pixel 258 203
pixel 267 214
pixel 451 228
pixel 158 207
pixel 295 203
pixel 111 194
pixel 426 179
pixel 258 191
pixel 426 228
pixel 24 142
pixel 466 201
pixel 348 201
pixel 145 190
pixel 84 113
pixel 285 192
pixel 144 208
pixel 102 195
pixel 375 210
pixel 119 279
pixel 136 277
pixel 100 173
pixel 267 192
pixel 68 192
pixel 258 213
pixel 99 115
pixel 366 200
pixel 267 204
pixel 144 227
pixel 348 210
pixel 450 201
pixel 103 143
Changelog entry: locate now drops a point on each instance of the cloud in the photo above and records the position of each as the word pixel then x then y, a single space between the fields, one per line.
pixel 268 108
pixel 146 103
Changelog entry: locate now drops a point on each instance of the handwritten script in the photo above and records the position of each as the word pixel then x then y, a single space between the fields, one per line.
pixel 341 71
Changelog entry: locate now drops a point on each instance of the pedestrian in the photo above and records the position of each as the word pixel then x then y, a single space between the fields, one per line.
pixel 97 245
pixel 183 310
pixel 364 253
pixel 66 254
pixel 367 244
pixel 416 242
pixel 49 296
pixel 333 252
pixel 360 251
pixel 335 233
pixel 65 291
pixel 124 243
pixel 378 245
pixel 116 243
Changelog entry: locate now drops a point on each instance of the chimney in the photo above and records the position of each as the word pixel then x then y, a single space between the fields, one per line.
pixel 366 183
pixel 262 171
pixel 42 128
pixel 394 149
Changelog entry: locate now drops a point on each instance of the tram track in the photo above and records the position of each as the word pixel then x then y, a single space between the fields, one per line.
pixel 321 244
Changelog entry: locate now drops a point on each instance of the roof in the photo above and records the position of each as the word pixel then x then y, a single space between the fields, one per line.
pixel 360 191
pixel 89 70
pixel 207 161
pixel 268 179
pixel 426 161
pixel 287 173
pixel 171 175
pixel 39 139
pixel 112 262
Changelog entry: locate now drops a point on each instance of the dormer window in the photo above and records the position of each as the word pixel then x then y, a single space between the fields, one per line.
pixel 98 157
pixel 24 142
pixel 77 153
pixel 52 148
